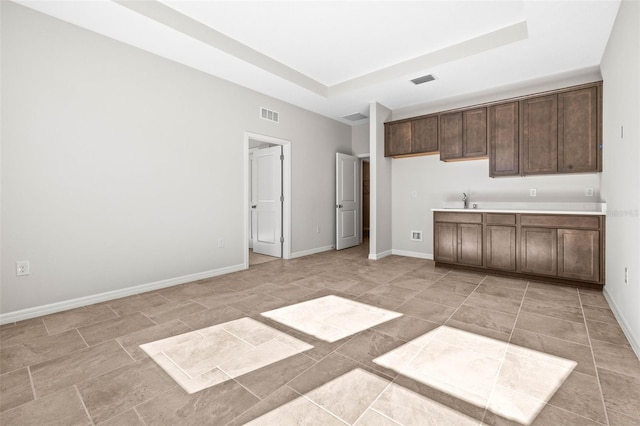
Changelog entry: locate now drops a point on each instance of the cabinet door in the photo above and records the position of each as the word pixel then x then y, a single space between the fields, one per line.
pixel 540 135
pixel 501 247
pixel 424 135
pixel 475 133
pixel 504 139
pixel 451 136
pixel 538 251
pixel 470 244
pixel 578 145
pixel 397 139
pixel 445 242
pixel 579 254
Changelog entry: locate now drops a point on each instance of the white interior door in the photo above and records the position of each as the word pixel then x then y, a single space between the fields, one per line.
pixel 347 201
pixel 266 179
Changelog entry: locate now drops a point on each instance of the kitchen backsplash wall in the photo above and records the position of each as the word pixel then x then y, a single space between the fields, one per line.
pixel 420 184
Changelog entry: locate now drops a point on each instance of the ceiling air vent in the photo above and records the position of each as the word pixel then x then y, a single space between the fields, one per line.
pixel 423 79
pixel 270 115
pixel 355 116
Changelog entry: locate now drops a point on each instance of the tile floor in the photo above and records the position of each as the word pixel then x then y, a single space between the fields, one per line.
pixel 463 352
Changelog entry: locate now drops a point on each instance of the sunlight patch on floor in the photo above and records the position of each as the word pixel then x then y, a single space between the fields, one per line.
pixel 509 380
pixel 331 318
pixel 209 356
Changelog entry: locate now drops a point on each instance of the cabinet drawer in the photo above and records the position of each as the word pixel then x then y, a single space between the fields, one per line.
pixel 458 217
pixel 561 221
pixel 501 219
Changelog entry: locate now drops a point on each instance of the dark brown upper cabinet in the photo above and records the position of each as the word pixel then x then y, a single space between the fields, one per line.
pixel 539 135
pixel 412 137
pixel 504 139
pixel 578 137
pixel 559 131
pixel 463 135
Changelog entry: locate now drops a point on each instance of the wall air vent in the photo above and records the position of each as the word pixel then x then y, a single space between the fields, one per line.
pixel 423 79
pixel 355 116
pixel 270 115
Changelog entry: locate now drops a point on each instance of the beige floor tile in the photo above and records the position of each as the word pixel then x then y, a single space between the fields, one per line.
pixel 300 411
pixel 22 333
pixel 552 309
pixel 616 358
pixel 458 287
pixel 394 292
pixel 113 328
pixel 131 342
pixel 75 318
pixel 373 418
pixel 411 282
pixel 277 399
pixel 128 418
pixel 110 394
pixel 595 313
pixel 499 304
pixel 257 303
pixel 607 332
pixel 262 382
pixel 332 366
pixel 466 276
pixel 548 416
pixel 506 292
pixel 39 350
pixel 426 310
pixel 379 301
pixel 15 389
pixel 406 328
pixel 558 328
pixel 593 298
pixel 62 408
pixel 132 304
pixel 348 396
pixel 409 408
pixel 486 318
pixel 621 392
pixel 368 345
pixel 213 406
pixel 580 394
pixel 581 354
pixel 559 295
pixel 185 292
pixel 78 366
pixel 176 311
pixel 505 282
pixel 617 419
pixel 479 330
pixel 440 297
pixel 353 287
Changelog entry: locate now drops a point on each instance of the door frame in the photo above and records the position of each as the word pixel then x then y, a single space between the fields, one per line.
pixel 286 184
pixel 361 159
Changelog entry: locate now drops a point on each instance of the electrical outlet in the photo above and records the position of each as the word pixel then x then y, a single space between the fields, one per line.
pixel 626 275
pixel 317 229
pixel 588 191
pixel 533 192
pixel 414 194
pixel 22 268
pixel 220 242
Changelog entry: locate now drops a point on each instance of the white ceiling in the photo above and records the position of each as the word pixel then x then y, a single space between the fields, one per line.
pixel 335 57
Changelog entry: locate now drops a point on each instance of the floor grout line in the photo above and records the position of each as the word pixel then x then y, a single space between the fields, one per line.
pixel 593 357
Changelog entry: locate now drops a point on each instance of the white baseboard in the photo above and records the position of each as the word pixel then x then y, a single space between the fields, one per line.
pixel 378 256
pixel 111 295
pixel 312 251
pixel 635 344
pixel 416 254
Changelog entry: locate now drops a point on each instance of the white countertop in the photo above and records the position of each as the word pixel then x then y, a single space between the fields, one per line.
pixel 576 212
pixel 539 207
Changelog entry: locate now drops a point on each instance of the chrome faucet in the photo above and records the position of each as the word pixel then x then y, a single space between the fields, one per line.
pixel 465 200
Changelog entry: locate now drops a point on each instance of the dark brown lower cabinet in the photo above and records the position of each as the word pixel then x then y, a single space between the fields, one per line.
pixel 445 239
pixel 539 251
pixel 557 247
pixel 470 244
pixel 579 254
pixel 501 247
pixel 458 243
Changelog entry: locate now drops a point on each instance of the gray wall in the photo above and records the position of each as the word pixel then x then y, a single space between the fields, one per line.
pixel 621 176
pixel 121 168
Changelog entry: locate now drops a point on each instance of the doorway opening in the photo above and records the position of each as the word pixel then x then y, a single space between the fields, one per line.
pixel 366 200
pixel 267 199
